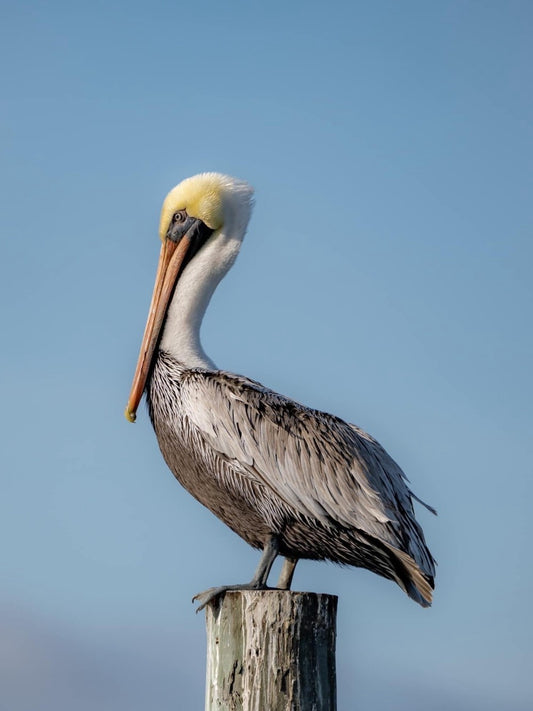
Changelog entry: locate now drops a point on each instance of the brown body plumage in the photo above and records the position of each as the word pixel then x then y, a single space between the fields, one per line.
pixel 344 498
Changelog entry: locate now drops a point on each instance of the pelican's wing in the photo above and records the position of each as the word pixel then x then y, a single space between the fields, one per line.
pixel 321 466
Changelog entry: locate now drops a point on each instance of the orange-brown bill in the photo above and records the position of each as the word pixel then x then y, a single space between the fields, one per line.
pixel 170 261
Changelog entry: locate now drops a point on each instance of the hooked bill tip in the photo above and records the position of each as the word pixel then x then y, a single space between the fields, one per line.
pixel 129 414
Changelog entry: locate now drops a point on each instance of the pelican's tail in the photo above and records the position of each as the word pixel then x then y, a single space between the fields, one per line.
pixel 416 584
pixel 415 593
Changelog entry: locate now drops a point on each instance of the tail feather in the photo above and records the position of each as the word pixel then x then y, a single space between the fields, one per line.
pixel 418 586
pixel 415 594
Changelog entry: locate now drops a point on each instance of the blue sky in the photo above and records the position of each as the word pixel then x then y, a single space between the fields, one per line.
pixel 386 277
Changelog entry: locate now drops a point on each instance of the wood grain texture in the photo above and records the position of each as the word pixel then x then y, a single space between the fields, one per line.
pixel 271 650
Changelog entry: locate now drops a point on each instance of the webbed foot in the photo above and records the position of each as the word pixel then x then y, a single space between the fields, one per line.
pixel 258 582
pixel 207 596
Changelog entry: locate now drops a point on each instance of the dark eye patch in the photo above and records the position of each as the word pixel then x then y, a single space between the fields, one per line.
pixel 179 225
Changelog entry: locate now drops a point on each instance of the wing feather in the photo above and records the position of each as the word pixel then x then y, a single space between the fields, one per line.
pixel 321 466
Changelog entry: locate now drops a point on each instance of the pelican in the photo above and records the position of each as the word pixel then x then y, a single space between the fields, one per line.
pixel 291 481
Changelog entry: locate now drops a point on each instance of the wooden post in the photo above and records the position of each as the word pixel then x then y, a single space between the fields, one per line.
pixel 271 650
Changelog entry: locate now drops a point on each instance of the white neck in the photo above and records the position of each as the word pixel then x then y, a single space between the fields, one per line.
pixel 195 287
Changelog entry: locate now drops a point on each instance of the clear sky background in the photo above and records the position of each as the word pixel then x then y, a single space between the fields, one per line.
pixel 386 277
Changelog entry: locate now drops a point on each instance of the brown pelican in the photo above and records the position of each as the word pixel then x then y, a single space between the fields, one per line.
pixel 289 480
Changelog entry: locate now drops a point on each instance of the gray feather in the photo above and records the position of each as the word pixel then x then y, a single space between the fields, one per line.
pixel 265 464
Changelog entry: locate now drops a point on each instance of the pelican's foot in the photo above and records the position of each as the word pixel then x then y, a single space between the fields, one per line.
pixel 207 596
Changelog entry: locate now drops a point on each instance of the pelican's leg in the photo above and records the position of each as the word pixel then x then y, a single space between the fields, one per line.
pixel 258 582
pixel 286 574
pixel 270 552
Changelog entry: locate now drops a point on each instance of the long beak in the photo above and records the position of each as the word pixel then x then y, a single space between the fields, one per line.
pixel 170 261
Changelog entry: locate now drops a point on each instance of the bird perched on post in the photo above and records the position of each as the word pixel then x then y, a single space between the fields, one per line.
pixel 289 480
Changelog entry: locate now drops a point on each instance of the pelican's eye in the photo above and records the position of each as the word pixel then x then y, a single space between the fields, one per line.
pixel 179 216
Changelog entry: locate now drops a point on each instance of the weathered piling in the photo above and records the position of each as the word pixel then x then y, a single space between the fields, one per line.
pixel 271 650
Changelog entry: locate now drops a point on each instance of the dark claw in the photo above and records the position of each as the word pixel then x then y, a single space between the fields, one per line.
pixel 207 596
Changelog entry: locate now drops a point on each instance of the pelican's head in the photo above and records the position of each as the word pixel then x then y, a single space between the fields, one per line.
pixel 209 207
pixel 212 198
